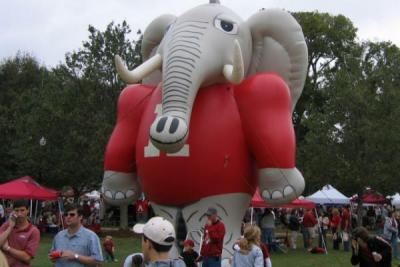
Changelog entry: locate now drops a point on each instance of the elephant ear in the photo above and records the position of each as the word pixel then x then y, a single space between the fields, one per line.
pixel 152 37
pixel 279 46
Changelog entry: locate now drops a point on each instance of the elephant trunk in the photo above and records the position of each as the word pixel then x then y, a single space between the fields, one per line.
pixel 181 83
pixel 184 70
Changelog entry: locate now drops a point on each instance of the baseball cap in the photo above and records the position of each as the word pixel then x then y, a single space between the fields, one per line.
pixel 188 242
pixel 211 211
pixel 158 230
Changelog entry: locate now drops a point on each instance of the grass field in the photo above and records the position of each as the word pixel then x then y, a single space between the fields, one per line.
pixel 299 258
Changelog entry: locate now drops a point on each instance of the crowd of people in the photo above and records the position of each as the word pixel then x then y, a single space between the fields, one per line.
pixel 77 245
pixel 158 238
pixel 340 223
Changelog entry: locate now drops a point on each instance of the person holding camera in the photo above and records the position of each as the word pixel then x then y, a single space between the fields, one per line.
pixel 369 250
pixel 213 242
pixel 19 238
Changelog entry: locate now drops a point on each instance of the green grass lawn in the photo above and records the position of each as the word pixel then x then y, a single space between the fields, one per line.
pixel 299 258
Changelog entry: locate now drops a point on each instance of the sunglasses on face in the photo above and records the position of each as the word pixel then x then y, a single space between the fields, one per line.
pixel 70 214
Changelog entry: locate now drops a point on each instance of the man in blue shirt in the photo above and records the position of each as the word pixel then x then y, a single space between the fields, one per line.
pixel 75 246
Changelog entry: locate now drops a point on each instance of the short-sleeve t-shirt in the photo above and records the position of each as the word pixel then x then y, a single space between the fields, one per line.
pixel 26 240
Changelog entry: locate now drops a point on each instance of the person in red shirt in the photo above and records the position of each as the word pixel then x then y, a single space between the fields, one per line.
pixel 335 226
pixel 109 248
pixel 345 226
pixel 213 242
pixel 142 210
pixel 309 222
pixel 19 239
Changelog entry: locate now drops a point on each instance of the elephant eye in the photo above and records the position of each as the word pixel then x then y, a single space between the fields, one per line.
pixel 226 26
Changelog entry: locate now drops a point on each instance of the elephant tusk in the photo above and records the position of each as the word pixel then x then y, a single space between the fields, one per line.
pixel 140 72
pixel 235 73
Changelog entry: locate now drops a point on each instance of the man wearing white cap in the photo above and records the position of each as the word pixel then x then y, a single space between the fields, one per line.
pixel 157 240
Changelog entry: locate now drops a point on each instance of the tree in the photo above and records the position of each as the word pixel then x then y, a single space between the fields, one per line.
pixel 72 106
pixel 353 141
pixel 328 38
pixel 19 77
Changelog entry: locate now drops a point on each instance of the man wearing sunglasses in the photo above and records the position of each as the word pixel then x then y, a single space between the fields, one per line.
pixel 19 239
pixel 75 246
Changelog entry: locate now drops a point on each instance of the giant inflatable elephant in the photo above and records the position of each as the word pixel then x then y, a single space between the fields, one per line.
pixel 212 118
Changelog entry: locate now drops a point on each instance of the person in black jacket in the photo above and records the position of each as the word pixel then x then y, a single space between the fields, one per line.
pixel 370 251
pixel 294 227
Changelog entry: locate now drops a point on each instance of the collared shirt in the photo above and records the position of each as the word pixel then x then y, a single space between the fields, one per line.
pixel 26 240
pixel 83 242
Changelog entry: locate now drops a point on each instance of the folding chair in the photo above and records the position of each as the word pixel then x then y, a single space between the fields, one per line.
pixel 280 244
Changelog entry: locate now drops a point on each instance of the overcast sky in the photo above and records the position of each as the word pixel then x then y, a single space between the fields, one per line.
pixel 47 29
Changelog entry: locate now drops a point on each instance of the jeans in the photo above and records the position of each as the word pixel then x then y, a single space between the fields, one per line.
pixel 109 256
pixel 306 237
pixel 393 242
pixel 211 262
pixel 268 237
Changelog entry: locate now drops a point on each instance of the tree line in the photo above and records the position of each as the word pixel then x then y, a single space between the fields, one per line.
pixel 55 122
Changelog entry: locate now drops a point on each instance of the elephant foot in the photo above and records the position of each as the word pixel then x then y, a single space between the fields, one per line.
pixel 169 133
pixel 279 186
pixel 120 188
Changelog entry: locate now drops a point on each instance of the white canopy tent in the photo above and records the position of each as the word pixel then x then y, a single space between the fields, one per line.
pixel 93 195
pixel 329 195
pixel 396 200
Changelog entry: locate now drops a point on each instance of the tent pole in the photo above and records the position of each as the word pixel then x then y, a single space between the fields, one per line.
pixel 320 230
pixel 36 208
pixel 60 212
pixel 251 216
pixel 30 210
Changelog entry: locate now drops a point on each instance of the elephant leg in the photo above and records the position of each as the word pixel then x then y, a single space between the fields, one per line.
pixel 171 214
pixel 231 209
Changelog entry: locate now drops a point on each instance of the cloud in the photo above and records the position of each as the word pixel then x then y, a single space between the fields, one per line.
pixel 48 29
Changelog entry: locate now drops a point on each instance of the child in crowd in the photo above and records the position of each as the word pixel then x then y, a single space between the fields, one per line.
pixel 189 255
pixel 109 248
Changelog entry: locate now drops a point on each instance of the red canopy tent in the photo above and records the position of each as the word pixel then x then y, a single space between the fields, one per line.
pixel 26 187
pixel 258 202
pixel 371 197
